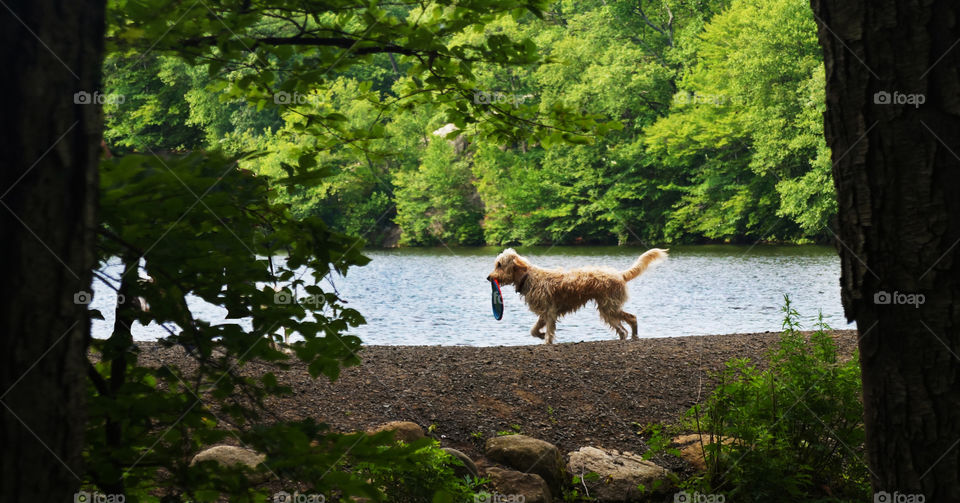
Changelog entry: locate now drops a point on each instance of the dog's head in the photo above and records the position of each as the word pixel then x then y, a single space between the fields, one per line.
pixel 509 268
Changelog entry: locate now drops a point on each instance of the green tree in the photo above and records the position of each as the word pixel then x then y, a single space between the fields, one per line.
pixel 436 202
pixel 743 133
pixel 161 103
pixel 148 109
pixel 192 224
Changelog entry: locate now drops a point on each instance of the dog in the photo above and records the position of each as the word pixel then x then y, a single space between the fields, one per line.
pixel 552 293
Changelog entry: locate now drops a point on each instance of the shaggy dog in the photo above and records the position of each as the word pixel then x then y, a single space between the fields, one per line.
pixel 552 293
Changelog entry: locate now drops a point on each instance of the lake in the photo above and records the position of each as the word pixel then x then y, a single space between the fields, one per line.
pixel 440 296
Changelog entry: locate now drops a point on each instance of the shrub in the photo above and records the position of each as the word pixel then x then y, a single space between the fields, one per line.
pixel 794 431
pixel 429 478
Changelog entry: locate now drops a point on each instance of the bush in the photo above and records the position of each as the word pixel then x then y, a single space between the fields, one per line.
pixel 794 431
pixel 429 478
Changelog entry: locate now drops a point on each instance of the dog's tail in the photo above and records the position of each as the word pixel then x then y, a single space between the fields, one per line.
pixel 649 257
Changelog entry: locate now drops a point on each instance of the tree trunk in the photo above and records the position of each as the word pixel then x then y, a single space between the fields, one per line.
pixel 893 124
pixel 50 50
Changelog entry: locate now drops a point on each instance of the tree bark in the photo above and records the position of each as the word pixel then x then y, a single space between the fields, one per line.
pixel 896 173
pixel 50 50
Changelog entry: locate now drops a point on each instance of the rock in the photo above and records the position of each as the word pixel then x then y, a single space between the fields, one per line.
pixel 514 486
pixel 620 473
pixel 468 468
pixel 445 130
pixel 529 455
pixel 459 143
pixel 691 449
pixel 228 455
pixel 402 430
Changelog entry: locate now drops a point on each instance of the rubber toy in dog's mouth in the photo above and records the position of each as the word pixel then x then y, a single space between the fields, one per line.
pixel 497 300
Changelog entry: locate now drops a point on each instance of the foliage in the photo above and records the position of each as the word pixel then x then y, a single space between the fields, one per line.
pixel 430 478
pixel 167 105
pixel 152 113
pixel 436 202
pixel 578 122
pixel 257 140
pixel 792 431
pixel 186 222
pixel 354 194
pixel 745 130
pixel 193 226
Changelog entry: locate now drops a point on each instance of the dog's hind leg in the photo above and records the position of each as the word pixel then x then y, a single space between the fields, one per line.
pixel 613 319
pixel 632 321
pixel 536 330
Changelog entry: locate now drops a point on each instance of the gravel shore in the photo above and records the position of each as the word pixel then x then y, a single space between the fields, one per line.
pixel 572 395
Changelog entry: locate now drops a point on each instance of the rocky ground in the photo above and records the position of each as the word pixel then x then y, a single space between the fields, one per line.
pixel 571 395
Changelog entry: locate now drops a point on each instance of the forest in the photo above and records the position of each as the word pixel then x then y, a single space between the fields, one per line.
pixel 241 157
pixel 711 115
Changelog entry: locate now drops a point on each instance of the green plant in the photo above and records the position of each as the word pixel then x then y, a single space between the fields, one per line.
pixel 428 478
pixel 659 440
pixel 578 482
pixel 551 414
pixel 793 431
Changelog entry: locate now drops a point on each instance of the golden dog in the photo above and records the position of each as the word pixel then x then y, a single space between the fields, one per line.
pixel 552 293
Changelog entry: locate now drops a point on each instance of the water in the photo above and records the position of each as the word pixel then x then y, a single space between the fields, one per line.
pixel 440 296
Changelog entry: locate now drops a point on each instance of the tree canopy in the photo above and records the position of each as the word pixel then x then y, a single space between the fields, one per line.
pixel 600 122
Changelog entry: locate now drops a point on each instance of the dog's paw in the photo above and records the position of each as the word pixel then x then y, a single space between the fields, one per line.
pixel 539 335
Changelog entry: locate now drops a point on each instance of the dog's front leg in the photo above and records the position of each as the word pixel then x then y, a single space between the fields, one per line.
pixel 536 330
pixel 551 329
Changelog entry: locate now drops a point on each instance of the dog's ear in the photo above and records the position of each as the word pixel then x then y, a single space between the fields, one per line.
pixel 520 268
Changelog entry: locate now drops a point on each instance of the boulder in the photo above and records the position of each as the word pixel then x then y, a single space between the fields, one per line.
pixel 228 455
pixel 620 473
pixel 691 448
pixel 459 143
pixel 514 486
pixel 402 430
pixel 529 455
pixel 468 468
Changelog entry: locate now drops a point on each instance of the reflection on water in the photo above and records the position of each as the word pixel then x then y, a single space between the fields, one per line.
pixel 440 296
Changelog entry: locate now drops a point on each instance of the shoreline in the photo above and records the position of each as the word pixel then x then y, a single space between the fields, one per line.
pixel 574 394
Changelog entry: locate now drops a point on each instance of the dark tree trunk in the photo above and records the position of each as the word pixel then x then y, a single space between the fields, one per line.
pixel 897 176
pixel 50 50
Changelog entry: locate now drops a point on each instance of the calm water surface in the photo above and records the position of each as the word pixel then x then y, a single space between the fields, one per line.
pixel 440 296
